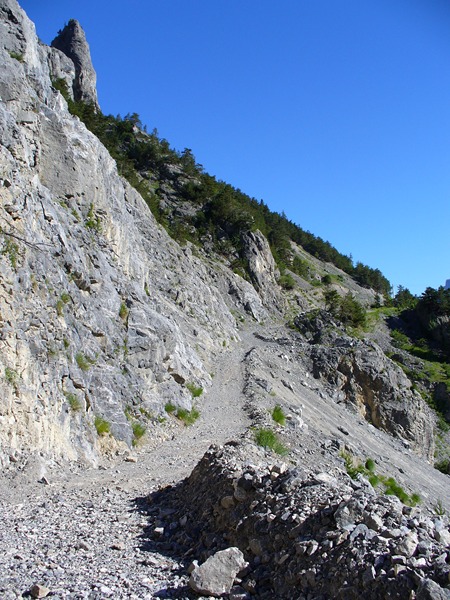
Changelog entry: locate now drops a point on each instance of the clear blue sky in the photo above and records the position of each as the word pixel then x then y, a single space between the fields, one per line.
pixel 336 112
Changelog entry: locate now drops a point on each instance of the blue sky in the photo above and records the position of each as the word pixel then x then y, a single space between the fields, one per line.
pixel 335 112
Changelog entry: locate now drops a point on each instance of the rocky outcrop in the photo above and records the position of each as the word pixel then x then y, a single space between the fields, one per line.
pixel 72 42
pixel 360 374
pixel 262 268
pixel 103 315
pixel 304 533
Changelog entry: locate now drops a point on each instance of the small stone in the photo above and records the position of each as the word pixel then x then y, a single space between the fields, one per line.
pixel 256 546
pixel 118 546
pixel 369 574
pixel 227 502
pixel 82 546
pixel 442 536
pixel 192 566
pixel 238 593
pixel 408 545
pixel 240 494
pixel 373 521
pixel 39 591
pixel 131 459
pixel 217 574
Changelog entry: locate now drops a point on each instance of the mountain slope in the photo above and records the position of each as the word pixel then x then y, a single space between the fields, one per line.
pixel 114 336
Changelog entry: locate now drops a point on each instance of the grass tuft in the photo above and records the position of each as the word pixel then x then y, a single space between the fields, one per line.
pixel 138 432
pixel 188 417
pixel 170 408
pixel 278 415
pixel 102 425
pixel 195 391
pixel 74 403
pixel 84 362
pixel 268 439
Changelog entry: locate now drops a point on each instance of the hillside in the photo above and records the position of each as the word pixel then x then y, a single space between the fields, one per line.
pixel 150 311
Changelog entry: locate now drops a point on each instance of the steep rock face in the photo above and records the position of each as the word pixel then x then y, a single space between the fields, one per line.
pixel 72 42
pixel 361 374
pixel 263 269
pixel 103 315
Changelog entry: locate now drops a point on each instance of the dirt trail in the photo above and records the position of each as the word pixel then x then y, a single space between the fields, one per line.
pixel 222 418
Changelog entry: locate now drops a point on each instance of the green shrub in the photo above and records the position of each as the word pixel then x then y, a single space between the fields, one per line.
pixel 268 439
pixel 300 267
pixel 123 311
pixel 92 220
pixel 370 465
pixel 62 301
pixel 443 466
pixel 12 376
pixel 391 487
pixel 287 281
pixel 138 432
pixel 101 425
pixel 170 408
pixel 73 401
pixel 195 391
pixel 16 55
pixel 278 415
pixel 84 362
pixel 11 250
pixel 187 416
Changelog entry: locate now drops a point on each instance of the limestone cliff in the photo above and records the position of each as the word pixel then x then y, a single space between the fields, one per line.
pixel 102 314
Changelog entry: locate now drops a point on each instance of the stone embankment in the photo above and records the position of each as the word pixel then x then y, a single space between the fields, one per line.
pixel 305 534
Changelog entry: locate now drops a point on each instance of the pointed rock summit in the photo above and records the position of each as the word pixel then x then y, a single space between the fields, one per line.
pixel 72 42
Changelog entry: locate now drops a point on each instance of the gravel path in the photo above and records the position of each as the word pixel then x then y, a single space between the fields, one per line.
pixel 83 535
pixel 90 534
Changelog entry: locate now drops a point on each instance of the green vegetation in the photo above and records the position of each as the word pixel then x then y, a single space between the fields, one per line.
pixel 102 426
pixel 92 220
pixel 300 267
pixel 74 403
pixel 62 301
pixel 390 486
pixel 83 361
pixel 76 215
pixel 16 55
pixel 170 408
pixel 278 415
pixel 443 466
pixel 439 509
pixel 123 311
pixel 12 377
pixel 347 309
pixel 286 281
pixel 138 432
pixel 11 250
pixel 188 417
pixel 223 212
pixel 196 391
pixel 269 440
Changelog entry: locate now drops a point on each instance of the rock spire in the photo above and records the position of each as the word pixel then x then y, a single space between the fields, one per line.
pixel 72 42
